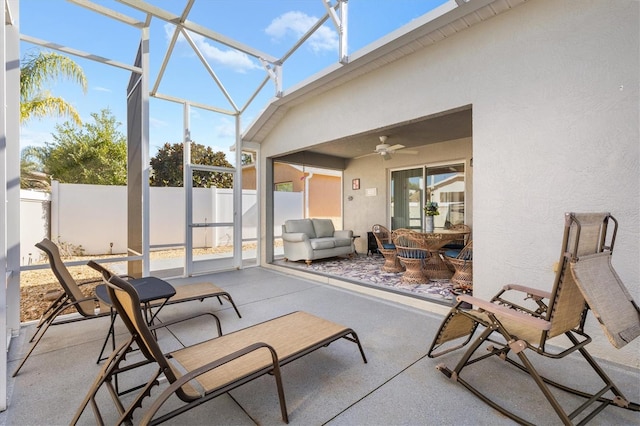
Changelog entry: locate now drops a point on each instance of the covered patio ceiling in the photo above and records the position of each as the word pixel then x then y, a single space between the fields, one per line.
pixel 442 127
pixel 449 125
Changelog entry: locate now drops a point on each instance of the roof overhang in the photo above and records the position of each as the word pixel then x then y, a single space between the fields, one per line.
pixel 442 22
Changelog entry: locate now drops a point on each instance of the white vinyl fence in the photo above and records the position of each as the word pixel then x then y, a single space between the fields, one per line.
pixel 94 217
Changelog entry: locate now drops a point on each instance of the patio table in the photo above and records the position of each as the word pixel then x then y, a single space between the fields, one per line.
pixel 434 267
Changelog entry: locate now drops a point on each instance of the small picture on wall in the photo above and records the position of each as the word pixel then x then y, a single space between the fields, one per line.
pixel 355 184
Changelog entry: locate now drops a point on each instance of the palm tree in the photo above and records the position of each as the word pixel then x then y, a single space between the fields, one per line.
pixel 30 175
pixel 35 102
pixel 36 70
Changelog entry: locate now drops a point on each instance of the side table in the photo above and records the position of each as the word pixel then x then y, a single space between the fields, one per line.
pixel 150 290
pixel 353 238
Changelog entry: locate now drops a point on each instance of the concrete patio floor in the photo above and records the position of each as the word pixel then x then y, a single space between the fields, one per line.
pixel 398 386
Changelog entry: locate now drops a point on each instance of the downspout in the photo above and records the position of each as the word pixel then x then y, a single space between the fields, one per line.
pixel 307 178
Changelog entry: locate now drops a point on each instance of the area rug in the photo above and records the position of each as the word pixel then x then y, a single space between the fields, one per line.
pixel 367 270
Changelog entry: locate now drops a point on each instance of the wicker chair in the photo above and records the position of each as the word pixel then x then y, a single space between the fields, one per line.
pixel 387 248
pixel 453 248
pixel 462 266
pixel 412 255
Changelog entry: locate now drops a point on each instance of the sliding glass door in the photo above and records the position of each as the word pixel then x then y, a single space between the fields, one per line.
pixel 411 188
pixel 445 185
pixel 407 198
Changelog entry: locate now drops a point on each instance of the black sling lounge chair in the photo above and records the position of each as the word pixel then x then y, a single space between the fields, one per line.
pixel 585 281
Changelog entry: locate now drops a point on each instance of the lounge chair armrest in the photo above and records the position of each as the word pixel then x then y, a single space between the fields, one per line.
pixel 529 290
pixel 97 280
pixel 182 380
pixel 105 272
pixel 294 237
pixel 84 299
pixel 512 314
pixel 127 277
pixel 182 319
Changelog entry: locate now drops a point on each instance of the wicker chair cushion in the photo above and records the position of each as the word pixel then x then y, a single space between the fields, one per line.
pixel 451 252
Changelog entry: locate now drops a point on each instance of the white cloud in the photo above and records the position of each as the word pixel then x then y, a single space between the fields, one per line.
pixel 236 60
pixel 296 24
pixel 194 113
pixel 155 122
pixel 102 89
pixel 226 129
pixel 29 137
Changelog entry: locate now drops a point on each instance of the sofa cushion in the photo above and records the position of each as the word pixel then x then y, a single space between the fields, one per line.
pixel 342 242
pixel 322 243
pixel 323 227
pixel 301 225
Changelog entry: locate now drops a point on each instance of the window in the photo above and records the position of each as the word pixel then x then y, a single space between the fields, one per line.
pixel 284 186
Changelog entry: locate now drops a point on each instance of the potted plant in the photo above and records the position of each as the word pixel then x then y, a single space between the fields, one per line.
pixel 430 210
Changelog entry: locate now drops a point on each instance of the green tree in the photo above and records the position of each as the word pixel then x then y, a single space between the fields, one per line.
pixel 38 69
pixel 167 167
pixel 247 159
pixel 95 153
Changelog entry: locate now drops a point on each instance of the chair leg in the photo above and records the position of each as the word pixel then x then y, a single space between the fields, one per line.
pixel 542 382
pixel 228 297
pixel 108 371
pixel 110 334
pixel 39 333
pixel 52 311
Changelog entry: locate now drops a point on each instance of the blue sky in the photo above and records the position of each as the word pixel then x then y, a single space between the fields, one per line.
pixel 272 27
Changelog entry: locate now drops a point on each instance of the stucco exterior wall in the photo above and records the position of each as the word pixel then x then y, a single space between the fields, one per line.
pixel 553 87
pixel 554 91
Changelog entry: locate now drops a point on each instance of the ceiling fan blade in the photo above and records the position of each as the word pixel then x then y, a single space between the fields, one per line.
pixel 366 155
pixel 407 151
pixel 395 147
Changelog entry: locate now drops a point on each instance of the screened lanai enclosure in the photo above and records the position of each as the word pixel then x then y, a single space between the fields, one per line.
pixel 209 217
pixel 507 113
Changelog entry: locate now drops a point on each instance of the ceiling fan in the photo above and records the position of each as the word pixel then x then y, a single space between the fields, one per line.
pixel 385 150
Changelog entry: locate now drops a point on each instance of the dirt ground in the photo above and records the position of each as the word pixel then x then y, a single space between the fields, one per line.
pixel 39 287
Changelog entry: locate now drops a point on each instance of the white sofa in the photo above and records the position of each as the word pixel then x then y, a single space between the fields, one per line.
pixel 311 239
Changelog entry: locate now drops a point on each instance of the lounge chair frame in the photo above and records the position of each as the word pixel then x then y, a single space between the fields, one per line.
pixel 72 297
pixel 237 347
pixel 509 328
pixel 184 293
